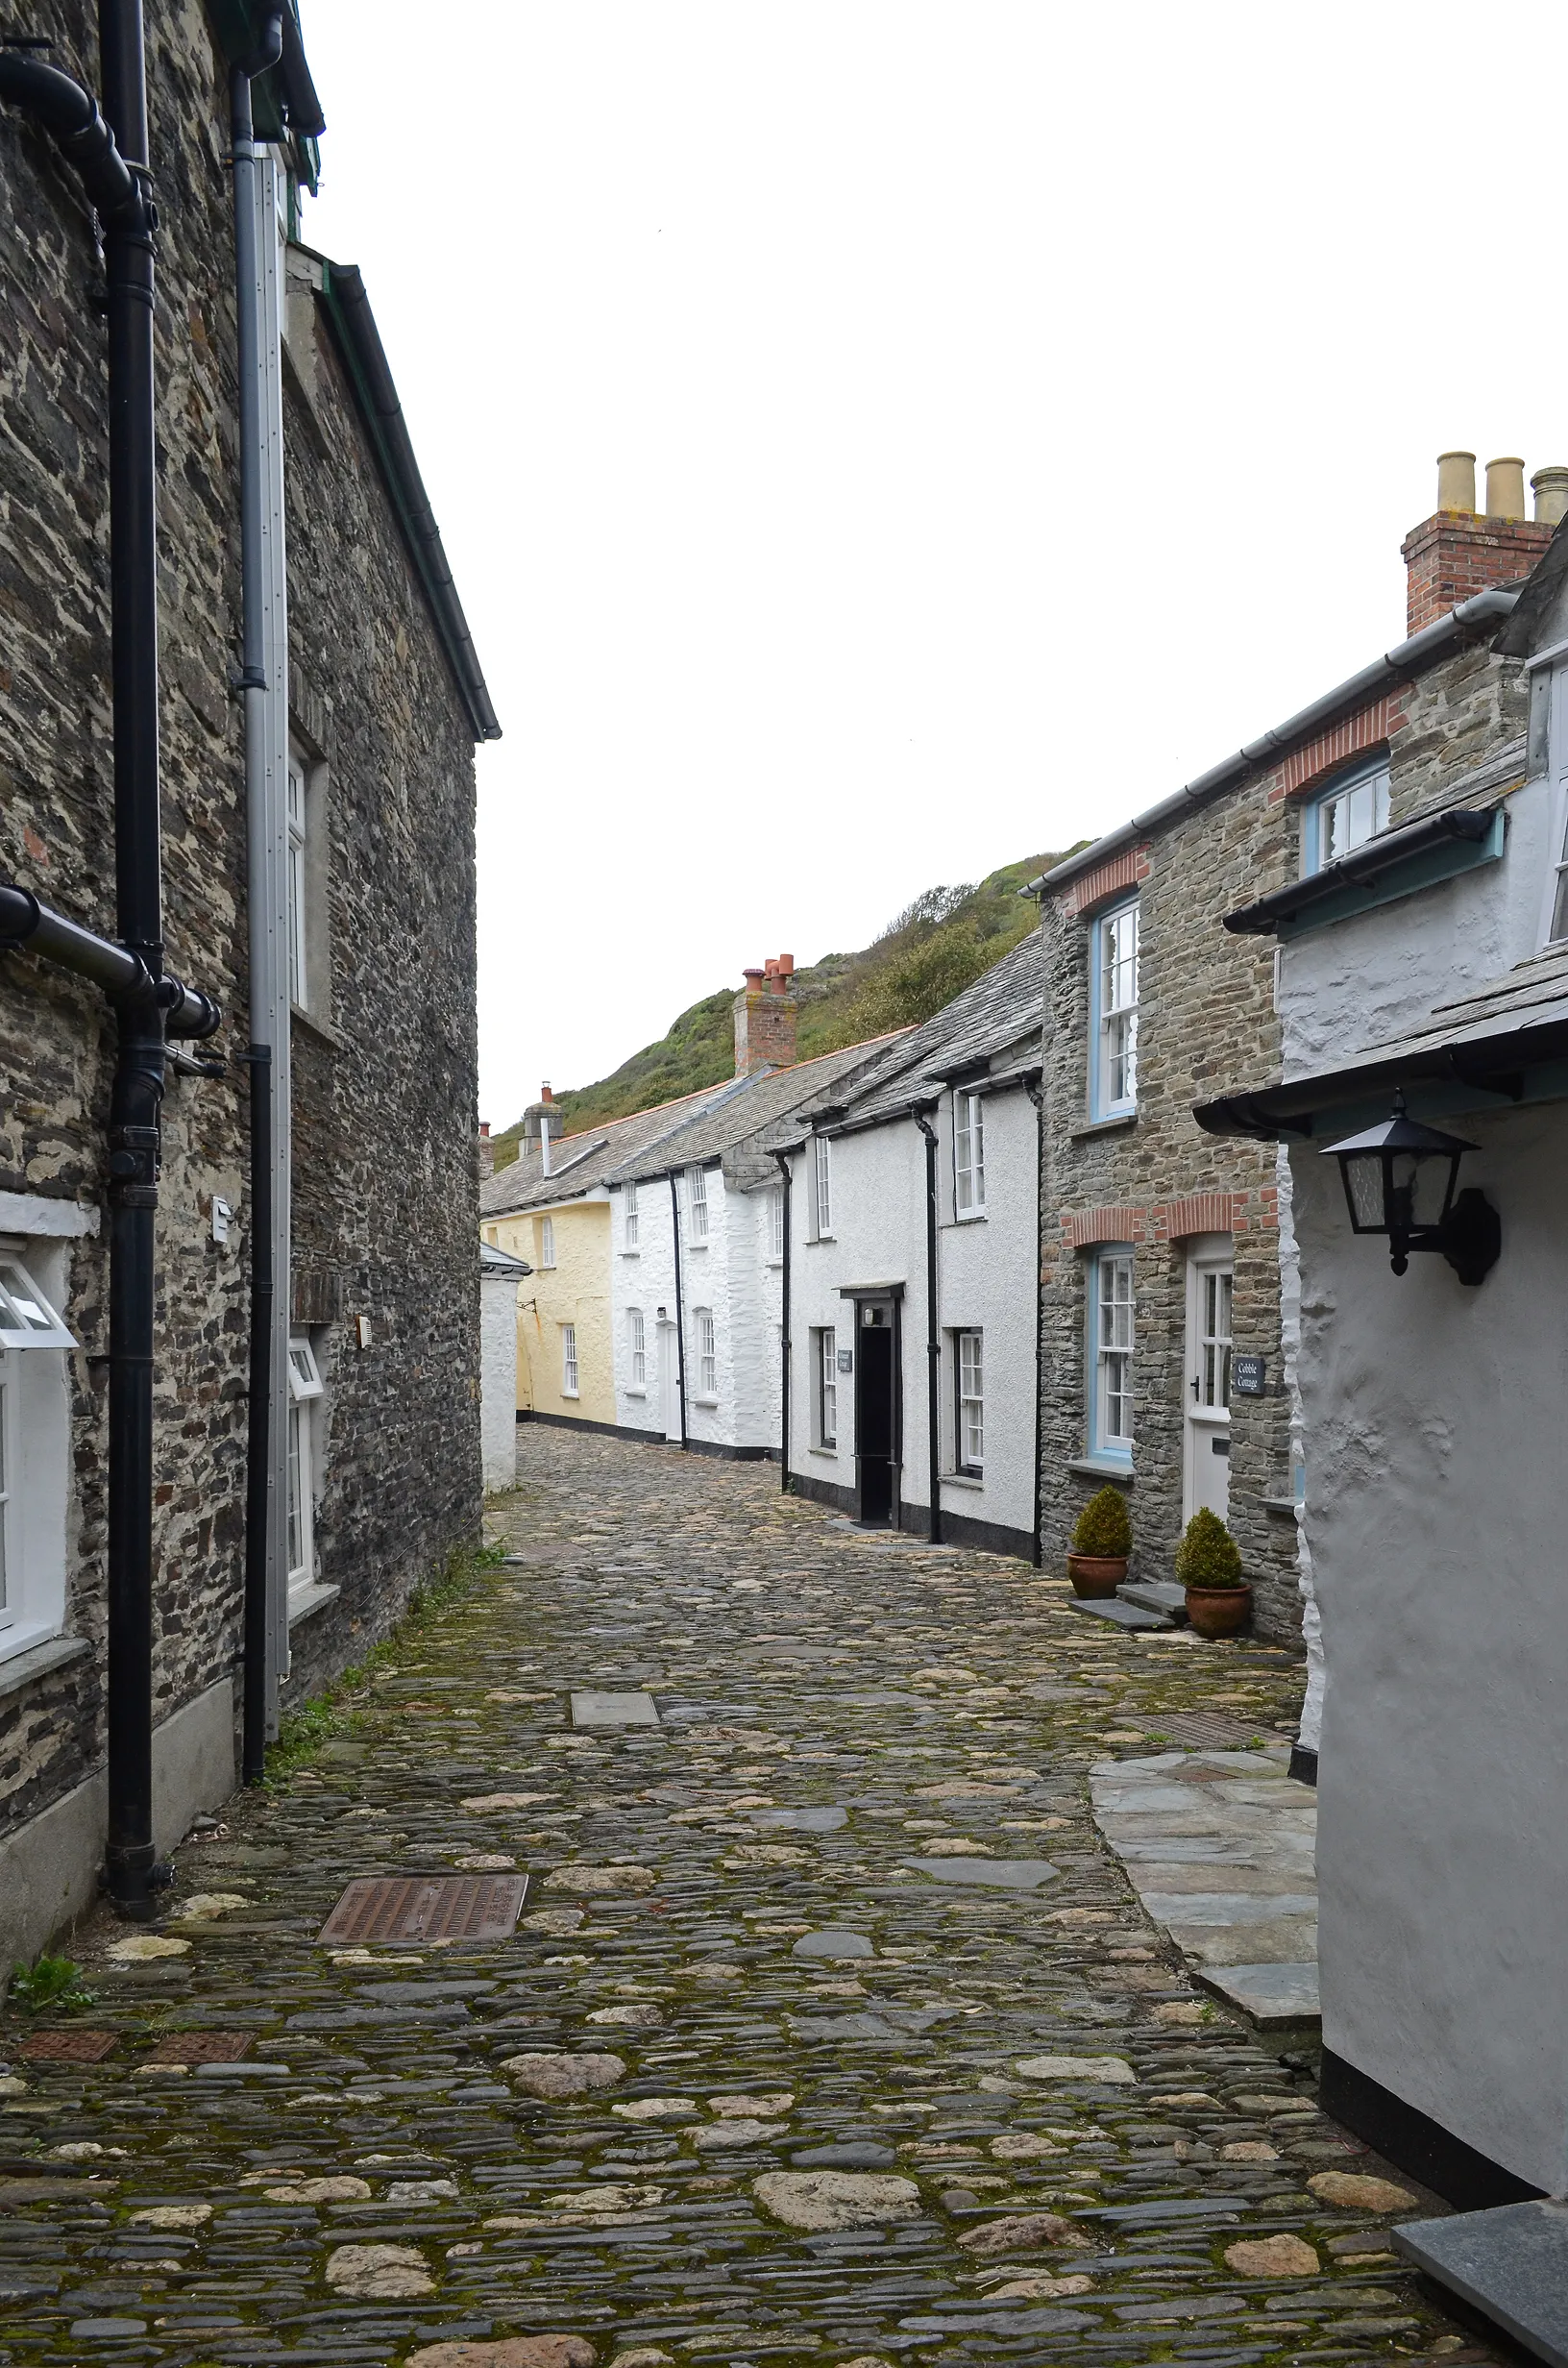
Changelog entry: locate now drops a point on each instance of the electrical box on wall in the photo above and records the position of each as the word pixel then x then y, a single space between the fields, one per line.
pixel 361 1331
pixel 222 1214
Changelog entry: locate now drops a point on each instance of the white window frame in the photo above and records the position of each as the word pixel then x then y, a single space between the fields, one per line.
pixel 570 1377
pixel 1115 959
pixel 707 1354
pixel 969 1156
pixel 1113 1346
pixel 632 1223
pixel 776 1224
pixel 696 1206
pixel 822 1187
pixel 298 974
pixel 825 1395
pixel 637 1353
pixel 35 1463
pixel 547 1245
pixel 1364 794
pixel 969 1378
pixel 305 1388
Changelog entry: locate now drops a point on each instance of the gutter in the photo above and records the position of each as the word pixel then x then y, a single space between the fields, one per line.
pixel 1403 664
pixel 1364 863
pixel 348 308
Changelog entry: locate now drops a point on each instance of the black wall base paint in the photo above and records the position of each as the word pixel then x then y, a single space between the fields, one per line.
pixel 651 1439
pixel 1415 2143
pixel 956 1528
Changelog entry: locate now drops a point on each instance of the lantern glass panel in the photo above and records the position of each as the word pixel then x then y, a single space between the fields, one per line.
pixel 1364 1174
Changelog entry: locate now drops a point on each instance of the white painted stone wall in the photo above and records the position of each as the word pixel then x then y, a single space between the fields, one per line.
pixel 731 1273
pixel 986 1271
pixel 1433 1416
pixel 498 1378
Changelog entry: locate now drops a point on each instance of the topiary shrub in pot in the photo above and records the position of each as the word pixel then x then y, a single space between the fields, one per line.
pixel 1102 1539
pixel 1209 1567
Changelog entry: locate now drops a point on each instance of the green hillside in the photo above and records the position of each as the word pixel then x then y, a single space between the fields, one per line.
pixel 935 948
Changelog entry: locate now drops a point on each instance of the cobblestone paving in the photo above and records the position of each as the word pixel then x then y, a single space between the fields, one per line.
pixel 831 2031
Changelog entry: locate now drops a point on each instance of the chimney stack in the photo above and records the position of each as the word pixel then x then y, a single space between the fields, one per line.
pixel 541 1121
pixel 1455 553
pixel 487 1149
pixel 764 1017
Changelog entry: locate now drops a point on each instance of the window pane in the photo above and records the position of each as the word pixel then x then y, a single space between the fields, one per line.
pixel 824 1201
pixel 4 1490
pixel 297 1416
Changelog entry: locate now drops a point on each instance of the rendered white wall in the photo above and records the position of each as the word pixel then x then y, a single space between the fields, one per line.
pixel 1434 1418
pixel 498 1379
pixel 642 1278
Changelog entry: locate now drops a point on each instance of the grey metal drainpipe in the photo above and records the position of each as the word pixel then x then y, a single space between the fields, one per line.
pixel 1036 1091
pixel 933 1335
pixel 680 1318
pixel 787 1172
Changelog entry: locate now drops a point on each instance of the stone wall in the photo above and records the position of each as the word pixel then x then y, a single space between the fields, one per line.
pixel 385 1092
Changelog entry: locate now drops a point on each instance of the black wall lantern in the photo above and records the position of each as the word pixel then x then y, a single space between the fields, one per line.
pixel 1400 1181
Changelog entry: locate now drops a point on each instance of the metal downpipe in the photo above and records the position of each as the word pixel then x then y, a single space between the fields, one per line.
pixel 933 1336
pixel 680 1318
pixel 786 1169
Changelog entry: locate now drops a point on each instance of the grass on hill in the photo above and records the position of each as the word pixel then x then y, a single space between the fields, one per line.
pixel 930 953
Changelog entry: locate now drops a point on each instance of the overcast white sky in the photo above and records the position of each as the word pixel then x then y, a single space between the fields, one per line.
pixel 876 441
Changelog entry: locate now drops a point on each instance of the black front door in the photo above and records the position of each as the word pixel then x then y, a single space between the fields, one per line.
pixel 877 1440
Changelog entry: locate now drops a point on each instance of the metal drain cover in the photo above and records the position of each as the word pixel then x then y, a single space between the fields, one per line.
pixel 1203 1730
pixel 69 2046
pixel 202 2047
pixel 403 1907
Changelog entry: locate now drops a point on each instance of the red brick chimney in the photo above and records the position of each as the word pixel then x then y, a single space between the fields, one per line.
pixel 764 1017
pixel 487 1149
pixel 1459 552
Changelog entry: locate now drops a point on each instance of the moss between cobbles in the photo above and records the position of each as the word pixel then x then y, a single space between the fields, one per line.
pixel 335 1711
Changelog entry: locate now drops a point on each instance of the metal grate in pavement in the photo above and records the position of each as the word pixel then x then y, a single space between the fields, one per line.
pixel 427 1907
pixel 202 2047
pixel 69 2046
pixel 1204 1730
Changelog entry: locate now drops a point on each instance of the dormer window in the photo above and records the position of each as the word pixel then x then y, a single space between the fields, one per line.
pixel 1344 816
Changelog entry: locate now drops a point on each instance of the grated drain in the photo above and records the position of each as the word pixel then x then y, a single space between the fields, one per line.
pixel 69 2046
pixel 202 2047
pixel 1204 1730
pixel 427 1907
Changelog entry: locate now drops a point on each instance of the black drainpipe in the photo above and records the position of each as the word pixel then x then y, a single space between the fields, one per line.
pixel 110 157
pixel 933 1337
pixel 680 1319
pixel 787 1172
pixel 253 687
pixel 1036 1091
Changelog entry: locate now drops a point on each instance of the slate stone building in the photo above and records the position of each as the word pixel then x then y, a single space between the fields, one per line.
pixel 1164 1338
pixel 374 701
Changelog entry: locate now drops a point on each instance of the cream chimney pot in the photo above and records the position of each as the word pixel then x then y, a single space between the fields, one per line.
pixel 1505 487
pixel 1457 480
pixel 1550 486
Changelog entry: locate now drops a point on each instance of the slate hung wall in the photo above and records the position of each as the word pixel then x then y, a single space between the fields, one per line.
pixel 384 1181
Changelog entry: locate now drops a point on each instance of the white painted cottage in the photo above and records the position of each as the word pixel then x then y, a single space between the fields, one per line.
pixel 913 1310
pixel 1428 970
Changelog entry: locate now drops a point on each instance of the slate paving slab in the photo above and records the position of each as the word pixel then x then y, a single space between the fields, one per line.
pixel 757 2073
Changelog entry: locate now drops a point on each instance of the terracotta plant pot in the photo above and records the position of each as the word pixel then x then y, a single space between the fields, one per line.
pixel 1218 1611
pixel 1096 1574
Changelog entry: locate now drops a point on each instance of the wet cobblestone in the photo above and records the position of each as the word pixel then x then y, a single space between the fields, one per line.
pixel 831 2033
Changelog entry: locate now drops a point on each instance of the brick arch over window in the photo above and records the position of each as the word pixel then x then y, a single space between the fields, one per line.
pixel 1173 1221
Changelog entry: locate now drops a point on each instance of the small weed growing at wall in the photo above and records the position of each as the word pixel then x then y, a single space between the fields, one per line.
pixel 1104 1526
pixel 331 1713
pixel 1207 1555
pixel 50 1982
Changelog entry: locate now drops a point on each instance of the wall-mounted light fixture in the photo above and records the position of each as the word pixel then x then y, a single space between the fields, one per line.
pixel 1400 1181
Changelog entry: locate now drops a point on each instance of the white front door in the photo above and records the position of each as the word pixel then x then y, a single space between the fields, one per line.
pixel 1208 1386
pixel 668 1379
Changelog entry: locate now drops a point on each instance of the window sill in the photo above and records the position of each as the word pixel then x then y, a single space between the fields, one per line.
pixel 1285 1506
pixel 37 1660
pixel 635 1388
pixel 815 1241
pixel 573 1394
pixel 697 1246
pixel 962 1480
pixel 314 1026
pixel 631 1253
pixel 831 1453
pixel 970 1217
pixel 1101 1466
pixel 1117 1124
pixel 304 1601
pixel 703 1401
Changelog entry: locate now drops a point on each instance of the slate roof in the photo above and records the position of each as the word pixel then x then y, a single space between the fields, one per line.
pixel 999 1021
pixel 579 1162
pixel 732 1125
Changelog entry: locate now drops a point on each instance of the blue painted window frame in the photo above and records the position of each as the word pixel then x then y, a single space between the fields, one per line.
pixel 1099 1105
pixel 1117 1452
pixel 1312 807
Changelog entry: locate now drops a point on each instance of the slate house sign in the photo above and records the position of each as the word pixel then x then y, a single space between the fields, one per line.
pixel 1249 1376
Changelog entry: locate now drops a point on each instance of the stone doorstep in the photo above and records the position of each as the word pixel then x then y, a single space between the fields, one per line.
pixel 1157 1595
pixel 1119 1613
pixel 1270 1996
pixel 1510 2263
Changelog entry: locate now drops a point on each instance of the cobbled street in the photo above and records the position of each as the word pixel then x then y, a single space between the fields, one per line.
pixel 831 2031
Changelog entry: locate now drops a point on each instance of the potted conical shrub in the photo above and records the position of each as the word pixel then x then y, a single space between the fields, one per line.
pixel 1209 1567
pixel 1102 1539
